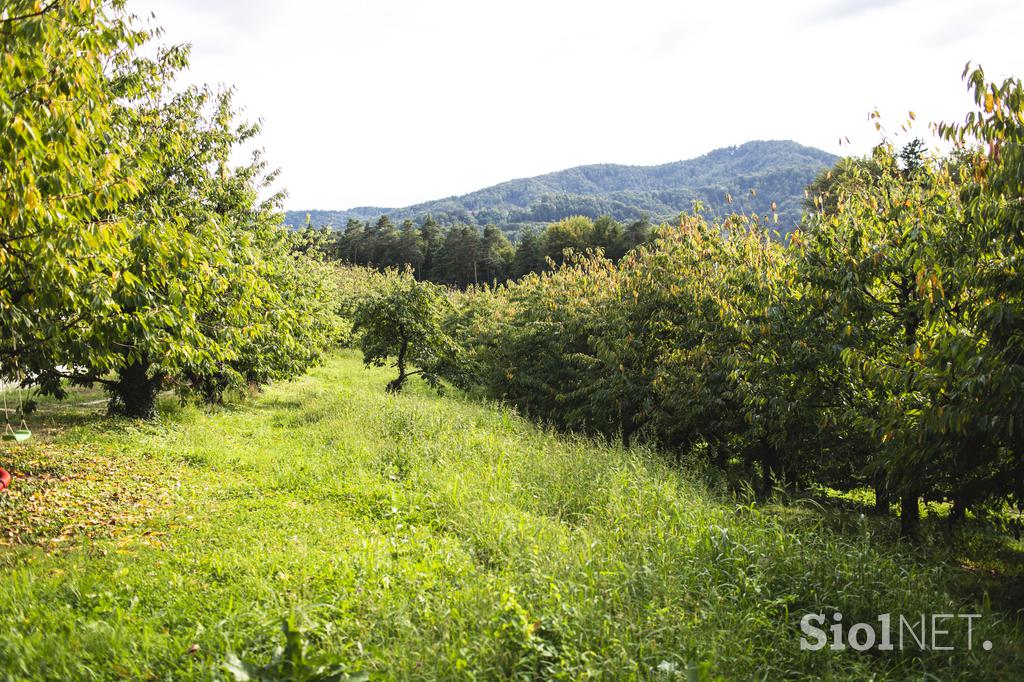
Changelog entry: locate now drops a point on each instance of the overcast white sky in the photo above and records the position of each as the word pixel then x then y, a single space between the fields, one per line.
pixel 388 103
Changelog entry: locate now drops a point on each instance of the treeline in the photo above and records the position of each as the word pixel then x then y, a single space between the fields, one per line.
pixel 464 255
pixel 132 253
pixel 881 347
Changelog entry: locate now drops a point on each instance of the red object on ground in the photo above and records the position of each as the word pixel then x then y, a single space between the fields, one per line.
pixel 5 479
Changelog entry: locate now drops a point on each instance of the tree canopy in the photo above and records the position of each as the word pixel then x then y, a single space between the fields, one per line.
pixel 133 253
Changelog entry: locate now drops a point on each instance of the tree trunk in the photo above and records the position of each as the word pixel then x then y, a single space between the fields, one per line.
pixel 957 513
pixel 627 432
pixel 721 455
pixel 134 393
pixel 627 420
pixel 396 384
pixel 883 499
pixel 910 518
pixel 771 466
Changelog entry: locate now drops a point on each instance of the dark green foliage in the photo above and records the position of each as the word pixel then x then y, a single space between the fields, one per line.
pixel 529 254
pixel 609 237
pixel 432 238
pixel 496 253
pixel 459 257
pixel 465 256
pixel 410 247
pixel 636 233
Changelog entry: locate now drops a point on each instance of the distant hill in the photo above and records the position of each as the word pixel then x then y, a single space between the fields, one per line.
pixel 775 170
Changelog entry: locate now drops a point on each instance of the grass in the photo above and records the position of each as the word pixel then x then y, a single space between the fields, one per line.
pixel 418 537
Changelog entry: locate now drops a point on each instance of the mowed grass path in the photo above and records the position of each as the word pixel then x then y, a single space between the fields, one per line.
pixel 419 537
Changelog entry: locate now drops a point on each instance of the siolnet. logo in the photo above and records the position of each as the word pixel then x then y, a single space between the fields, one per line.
pixel 922 632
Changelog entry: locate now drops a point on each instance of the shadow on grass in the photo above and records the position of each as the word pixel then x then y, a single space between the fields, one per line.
pixel 984 560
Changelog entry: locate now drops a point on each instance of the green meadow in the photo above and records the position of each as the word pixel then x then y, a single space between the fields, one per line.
pixel 326 527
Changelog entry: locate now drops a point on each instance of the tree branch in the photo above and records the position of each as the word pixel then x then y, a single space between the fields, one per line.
pixel 22 17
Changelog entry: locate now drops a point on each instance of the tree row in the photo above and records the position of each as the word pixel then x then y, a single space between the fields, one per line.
pixel 464 255
pixel 134 253
pixel 880 347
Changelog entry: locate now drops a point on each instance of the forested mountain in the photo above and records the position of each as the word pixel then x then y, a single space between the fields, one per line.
pixel 753 175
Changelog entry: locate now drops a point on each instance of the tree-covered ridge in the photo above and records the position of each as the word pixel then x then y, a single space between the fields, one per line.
pixel 747 178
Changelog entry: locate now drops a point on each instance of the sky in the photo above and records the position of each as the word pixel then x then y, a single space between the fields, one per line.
pixel 372 103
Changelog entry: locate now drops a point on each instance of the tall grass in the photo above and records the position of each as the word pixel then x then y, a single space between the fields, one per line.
pixel 418 537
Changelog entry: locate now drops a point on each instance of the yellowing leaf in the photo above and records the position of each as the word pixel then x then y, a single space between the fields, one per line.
pixel 110 164
pixel 32 198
